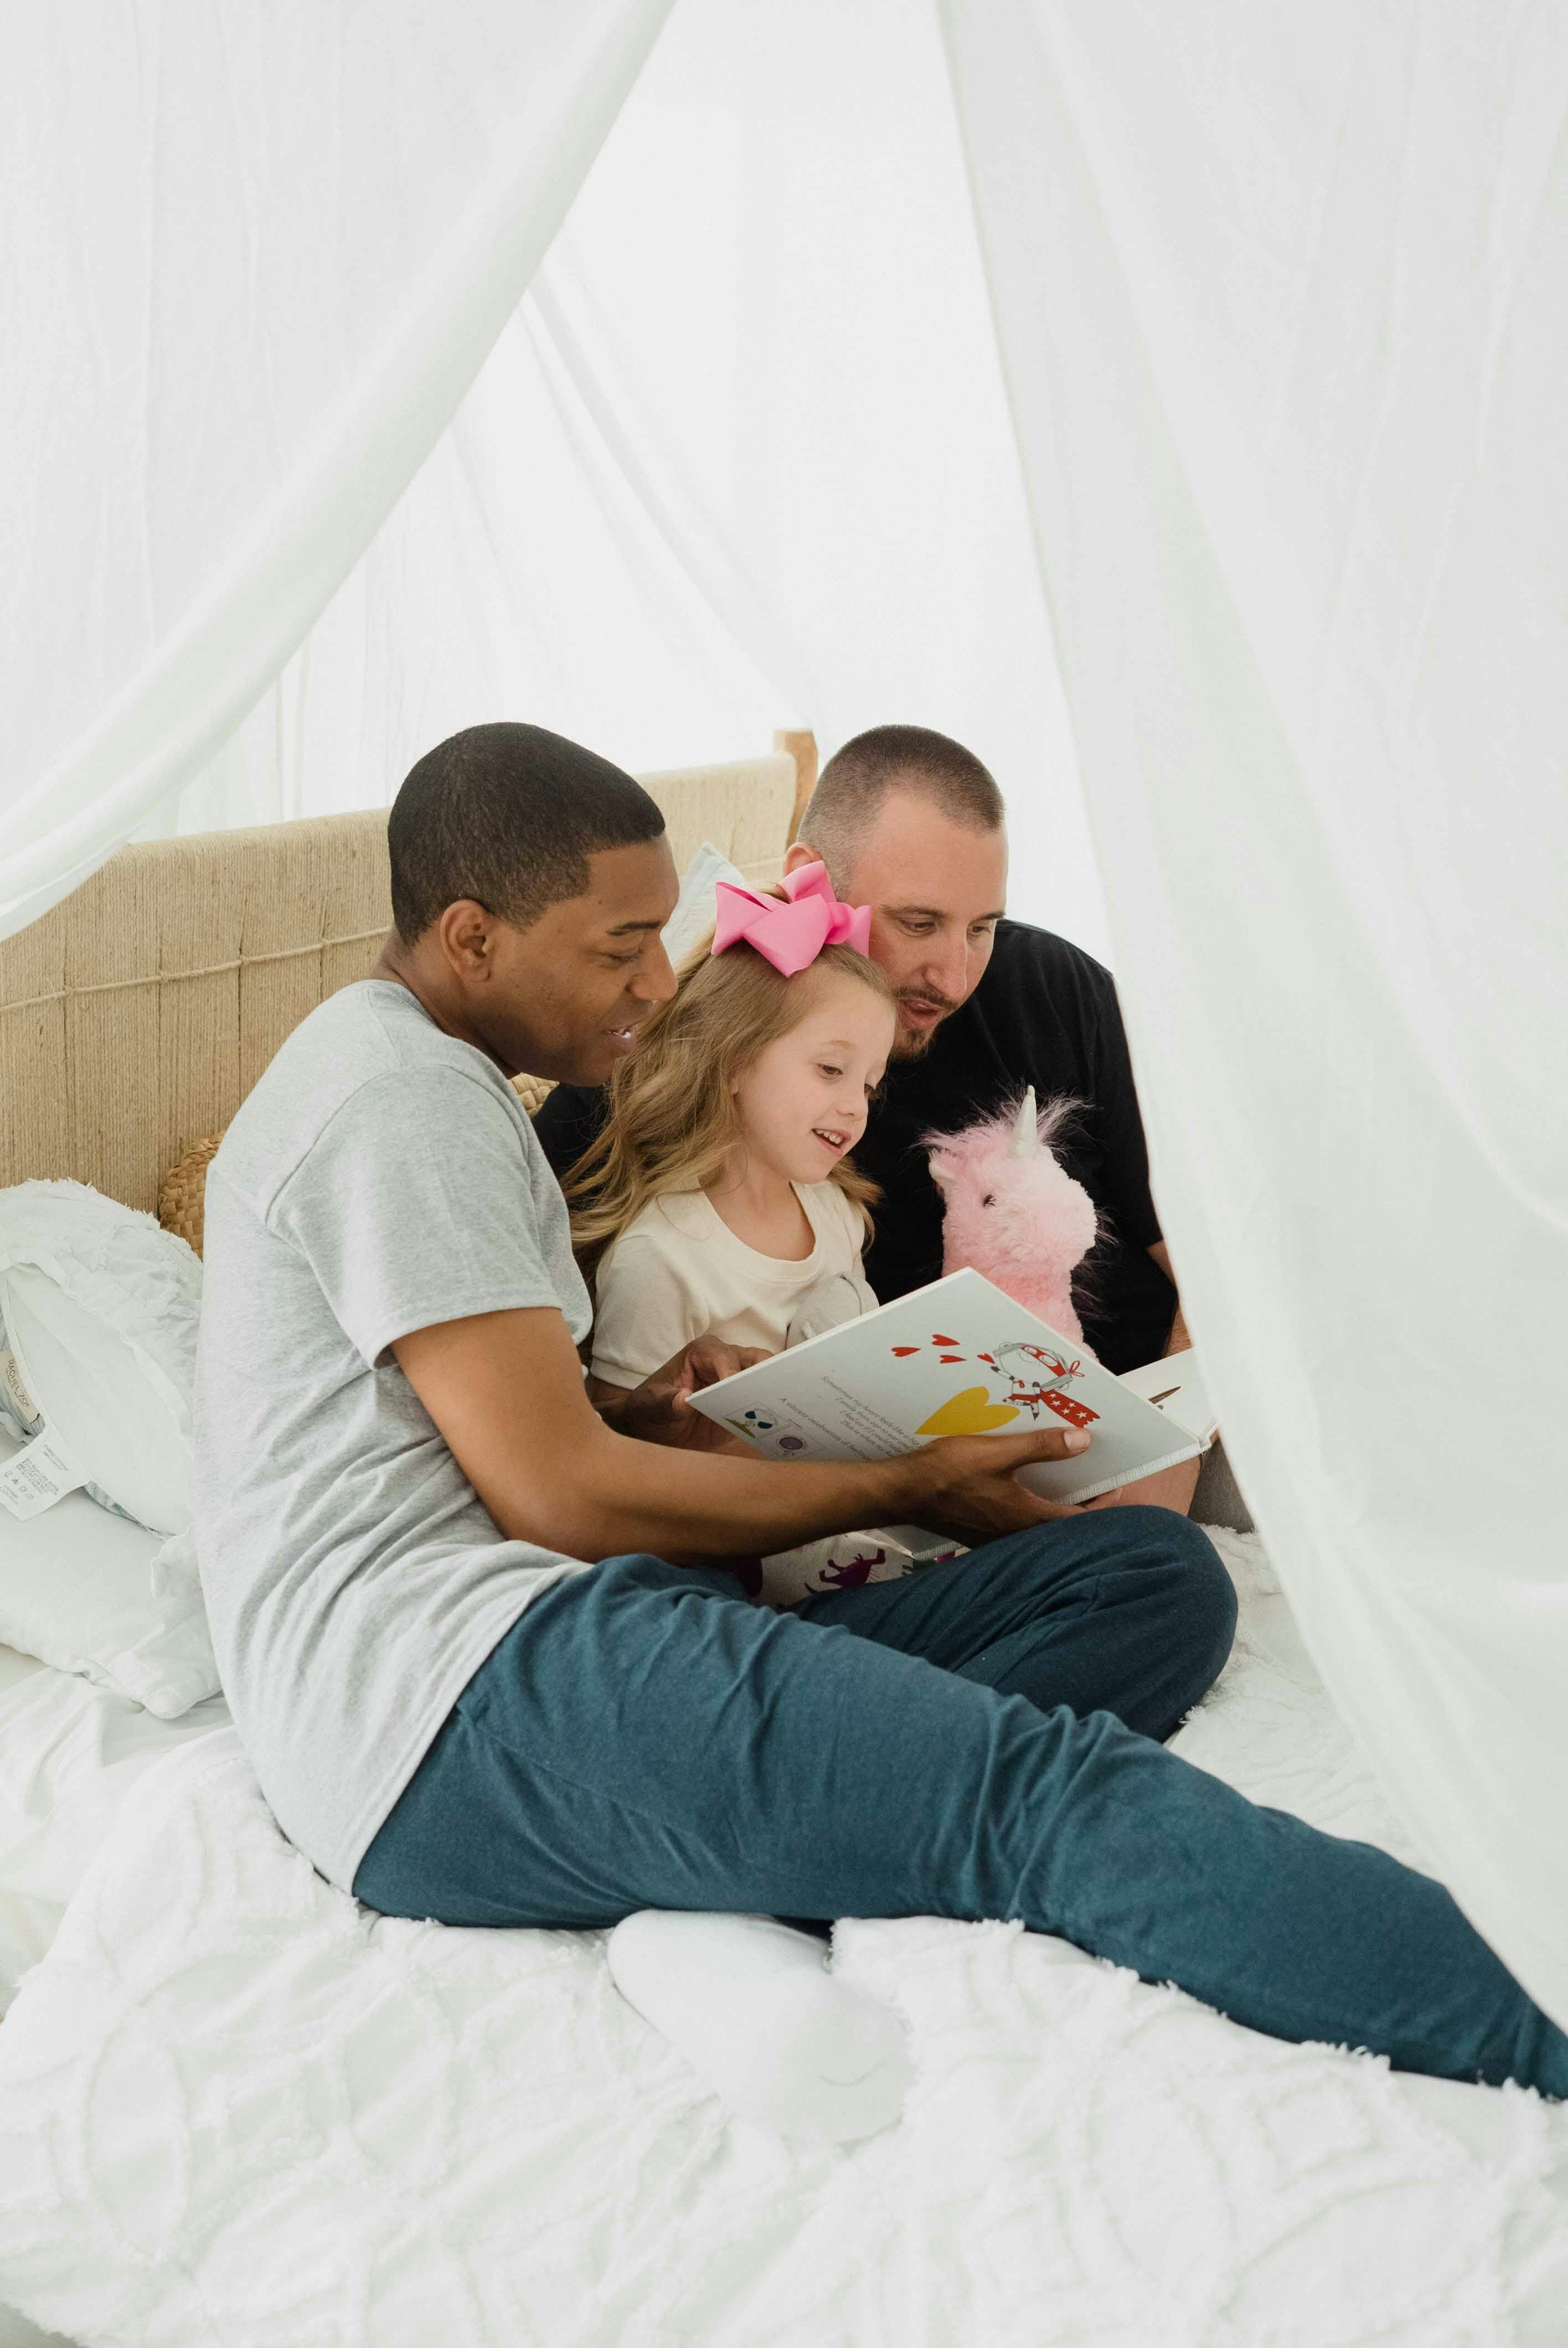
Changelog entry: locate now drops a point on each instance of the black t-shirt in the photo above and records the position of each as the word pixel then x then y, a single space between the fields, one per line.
pixel 1045 1014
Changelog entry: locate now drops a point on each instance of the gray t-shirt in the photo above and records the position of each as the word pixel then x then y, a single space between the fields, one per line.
pixel 381 1177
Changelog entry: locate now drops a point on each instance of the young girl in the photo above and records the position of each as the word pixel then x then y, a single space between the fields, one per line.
pixel 721 1199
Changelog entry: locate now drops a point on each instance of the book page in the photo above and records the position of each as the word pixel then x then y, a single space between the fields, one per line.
pixel 1176 1385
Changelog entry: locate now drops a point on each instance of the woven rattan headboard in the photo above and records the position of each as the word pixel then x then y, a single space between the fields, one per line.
pixel 137 1015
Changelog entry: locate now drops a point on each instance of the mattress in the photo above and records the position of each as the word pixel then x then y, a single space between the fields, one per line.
pixel 236 2109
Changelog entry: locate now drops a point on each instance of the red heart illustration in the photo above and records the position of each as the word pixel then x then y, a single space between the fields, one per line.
pixel 949 1357
pixel 943 1341
pixel 906 1349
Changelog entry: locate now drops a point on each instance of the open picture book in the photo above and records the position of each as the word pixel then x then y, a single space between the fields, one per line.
pixel 959 1357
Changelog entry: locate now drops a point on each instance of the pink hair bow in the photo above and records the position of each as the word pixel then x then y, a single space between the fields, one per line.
pixel 792 933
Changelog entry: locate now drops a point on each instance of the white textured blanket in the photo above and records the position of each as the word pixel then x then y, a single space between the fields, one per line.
pixel 235 2110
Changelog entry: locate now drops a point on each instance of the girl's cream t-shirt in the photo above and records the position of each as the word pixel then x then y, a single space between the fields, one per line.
pixel 678 1271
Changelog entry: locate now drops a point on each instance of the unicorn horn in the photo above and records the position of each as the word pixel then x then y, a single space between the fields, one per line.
pixel 1025 1142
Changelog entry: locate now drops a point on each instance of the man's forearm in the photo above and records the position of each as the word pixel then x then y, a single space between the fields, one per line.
pixel 619 1496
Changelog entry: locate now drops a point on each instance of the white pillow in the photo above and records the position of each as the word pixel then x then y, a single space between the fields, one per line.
pixel 99 1317
pixel 694 907
pixel 94 1594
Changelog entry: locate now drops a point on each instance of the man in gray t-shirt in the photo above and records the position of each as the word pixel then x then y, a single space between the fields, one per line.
pixel 400 1476
pixel 381 1175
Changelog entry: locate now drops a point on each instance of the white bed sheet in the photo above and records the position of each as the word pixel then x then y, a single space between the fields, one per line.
pixel 15 1668
pixel 16 2331
pixel 234 2107
pixel 70 1754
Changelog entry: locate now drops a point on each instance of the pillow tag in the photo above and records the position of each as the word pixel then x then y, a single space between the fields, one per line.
pixel 15 1387
pixel 36 1477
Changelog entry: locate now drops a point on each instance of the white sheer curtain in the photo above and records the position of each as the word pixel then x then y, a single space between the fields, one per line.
pixel 741 458
pixel 1283 302
pixel 253 257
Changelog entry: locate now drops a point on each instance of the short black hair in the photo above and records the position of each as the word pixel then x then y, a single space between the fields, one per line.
pixel 507 815
pixel 857 779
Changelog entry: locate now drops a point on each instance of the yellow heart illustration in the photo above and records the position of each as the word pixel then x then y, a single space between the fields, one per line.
pixel 969 1412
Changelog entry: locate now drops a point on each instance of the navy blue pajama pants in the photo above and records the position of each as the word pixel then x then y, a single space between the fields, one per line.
pixel 981 1739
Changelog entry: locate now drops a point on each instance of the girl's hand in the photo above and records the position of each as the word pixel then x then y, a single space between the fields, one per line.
pixel 660 1409
pixel 970 1487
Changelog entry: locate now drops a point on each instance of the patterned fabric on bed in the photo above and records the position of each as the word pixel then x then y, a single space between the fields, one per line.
pixel 234 2107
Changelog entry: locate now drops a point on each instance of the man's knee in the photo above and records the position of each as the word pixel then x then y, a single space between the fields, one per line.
pixel 1205 1613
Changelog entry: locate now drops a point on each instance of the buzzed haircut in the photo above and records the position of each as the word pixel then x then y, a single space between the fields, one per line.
pixel 509 816
pixel 857 779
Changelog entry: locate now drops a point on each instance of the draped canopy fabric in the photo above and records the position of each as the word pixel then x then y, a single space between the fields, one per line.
pixel 741 458
pixel 254 257
pixel 1283 302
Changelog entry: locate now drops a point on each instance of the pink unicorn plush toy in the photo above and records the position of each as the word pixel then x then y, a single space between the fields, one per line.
pixel 1012 1211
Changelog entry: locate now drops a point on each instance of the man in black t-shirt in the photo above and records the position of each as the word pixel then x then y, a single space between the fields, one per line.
pixel 912 824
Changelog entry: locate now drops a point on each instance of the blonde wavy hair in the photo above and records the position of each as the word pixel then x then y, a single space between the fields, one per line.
pixel 673 1122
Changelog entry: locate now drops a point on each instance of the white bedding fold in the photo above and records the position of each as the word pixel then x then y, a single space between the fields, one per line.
pixel 70 1754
